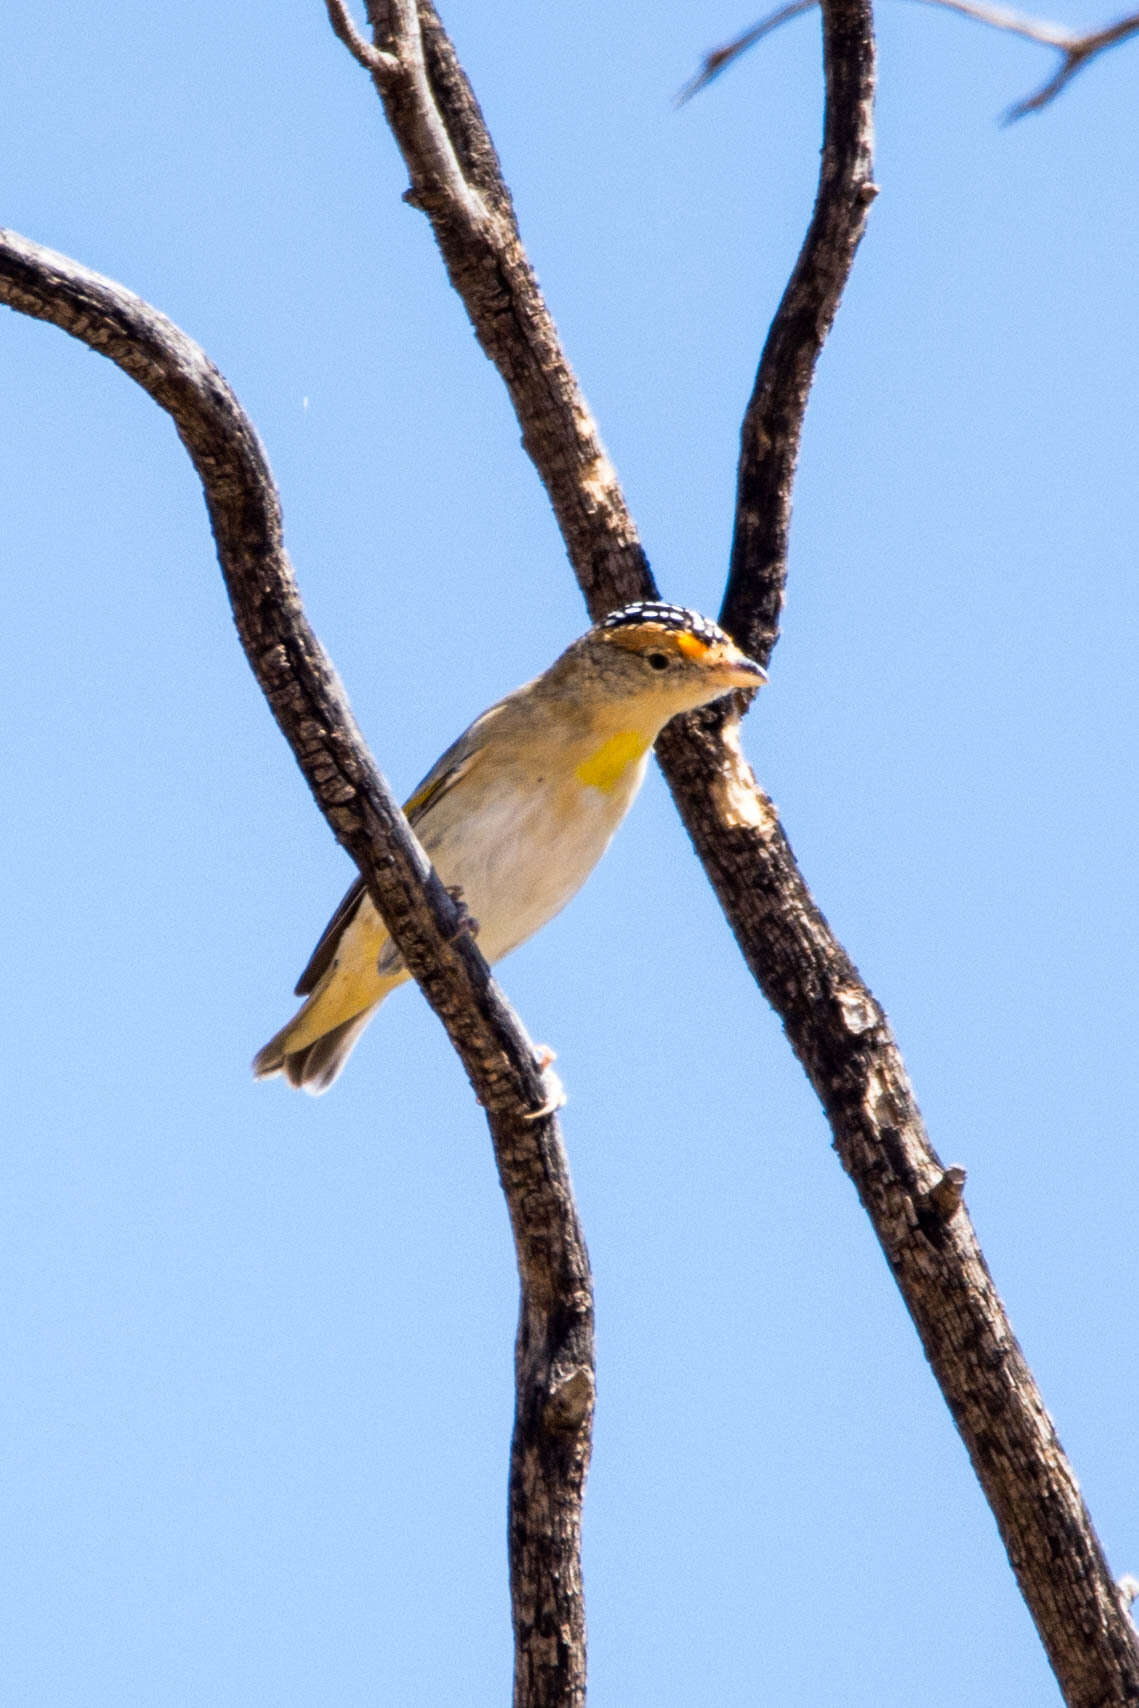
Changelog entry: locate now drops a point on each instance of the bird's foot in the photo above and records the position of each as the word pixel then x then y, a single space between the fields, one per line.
pixel 467 925
pixel 556 1092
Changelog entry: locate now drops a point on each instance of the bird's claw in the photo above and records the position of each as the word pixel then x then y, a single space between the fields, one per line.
pixel 467 924
pixel 557 1094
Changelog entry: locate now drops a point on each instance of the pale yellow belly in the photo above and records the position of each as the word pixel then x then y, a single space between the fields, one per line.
pixel 522 858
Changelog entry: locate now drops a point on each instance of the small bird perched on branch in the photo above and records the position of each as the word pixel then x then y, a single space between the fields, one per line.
pixel 517 812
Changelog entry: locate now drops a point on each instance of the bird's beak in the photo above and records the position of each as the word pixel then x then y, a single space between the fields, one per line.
pixel 740 671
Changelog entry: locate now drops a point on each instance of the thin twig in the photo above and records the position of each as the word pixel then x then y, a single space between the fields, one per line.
pixel 555 1402
pixel 1076 55
pixel 1076 50
pixel 1014 23
pixel 834 1023
pixel 377 63
pixel 721 57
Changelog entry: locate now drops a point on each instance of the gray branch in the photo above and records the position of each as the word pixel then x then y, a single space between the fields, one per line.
pixel 833 1021
pixel 1075 49
pixel 554 1365
pixel 773 421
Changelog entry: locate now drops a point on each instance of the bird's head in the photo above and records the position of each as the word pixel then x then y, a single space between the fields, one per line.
pixel 665 658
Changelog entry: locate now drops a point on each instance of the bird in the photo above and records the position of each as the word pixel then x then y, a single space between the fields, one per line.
pixel 517 812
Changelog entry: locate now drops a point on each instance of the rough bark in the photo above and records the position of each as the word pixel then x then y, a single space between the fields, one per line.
pixel 844 1041
pixel 773 421
pixel 554 1368
pixel 456 180
pixel 833 1021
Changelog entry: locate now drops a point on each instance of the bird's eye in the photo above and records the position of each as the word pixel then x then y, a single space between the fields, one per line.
pixel 659 660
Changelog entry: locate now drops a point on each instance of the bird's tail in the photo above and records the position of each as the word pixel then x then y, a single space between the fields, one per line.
pixel 312 1049
pixel 313 1067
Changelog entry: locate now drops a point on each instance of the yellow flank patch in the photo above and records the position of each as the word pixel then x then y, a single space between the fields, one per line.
pixel 605 768
pixel 691 646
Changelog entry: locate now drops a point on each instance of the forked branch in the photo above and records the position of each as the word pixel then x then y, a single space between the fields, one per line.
pixel 554 1376
pixel 1075 49
pixel 836 1027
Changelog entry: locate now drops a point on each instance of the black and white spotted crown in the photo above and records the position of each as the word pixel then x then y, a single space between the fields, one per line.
pixel 675 617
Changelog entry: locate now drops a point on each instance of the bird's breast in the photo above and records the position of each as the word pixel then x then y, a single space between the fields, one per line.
pixel 519 853
pixel 608 763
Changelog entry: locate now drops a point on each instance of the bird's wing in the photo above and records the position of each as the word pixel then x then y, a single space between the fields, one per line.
pixel 322 956
pixel 455 763
pixel 441 779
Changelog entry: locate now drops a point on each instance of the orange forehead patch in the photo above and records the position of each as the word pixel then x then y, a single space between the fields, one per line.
pixel 691 646
pixel 647 637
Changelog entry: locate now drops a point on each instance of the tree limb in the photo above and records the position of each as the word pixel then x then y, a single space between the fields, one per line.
pixel 474 225
pixel 554 1370
pixel 836 1027
pixel 1075 49
pixel 1076 52
pixel 377 63
pixel 719 58
pixel 773 421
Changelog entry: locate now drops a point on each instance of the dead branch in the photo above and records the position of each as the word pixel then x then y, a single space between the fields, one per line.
pixel 773 421
pixel 555 1379
pixel 1075 50
pixel 344 28
pixel 457 181
pixel 833 1022
pixel 721 57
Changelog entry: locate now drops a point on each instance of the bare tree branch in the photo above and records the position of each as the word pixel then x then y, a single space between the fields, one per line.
pixel 377 63
pixel 1076 54
pixel 1075 50
pixel 478 237
pixel 773 422
pixel 721 57
pixel 833 1022
pixel 1005 18
pixel 554 1370
pixel 836 1027
pixel 844 1040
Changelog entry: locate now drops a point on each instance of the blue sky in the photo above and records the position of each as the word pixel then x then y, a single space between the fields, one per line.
pixel 258 1348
